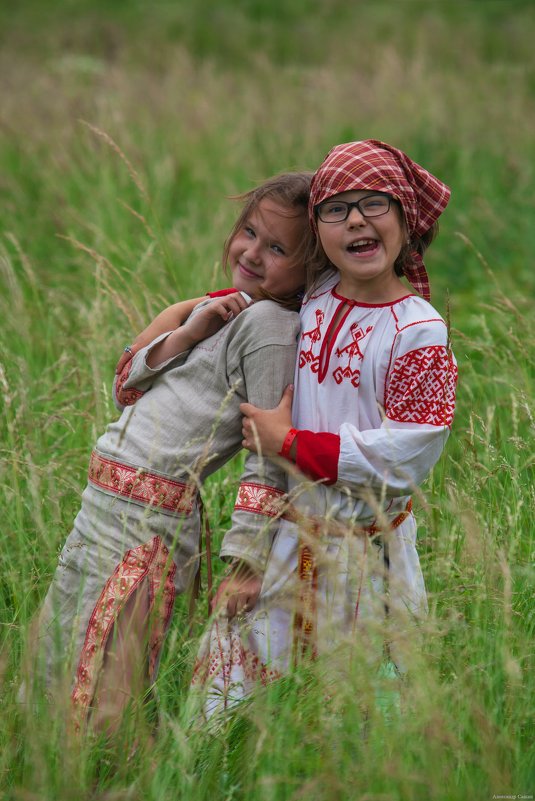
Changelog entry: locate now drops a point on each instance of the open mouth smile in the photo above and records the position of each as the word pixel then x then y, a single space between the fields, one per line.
pixel 364 247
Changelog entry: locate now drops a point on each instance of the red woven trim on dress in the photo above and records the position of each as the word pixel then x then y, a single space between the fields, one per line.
pixel 260 499
pixel 394 523
pixel 421 387
pixel 305 619
pixel 126 397
pixel 148 560
pixel 141 485
pixel 230 652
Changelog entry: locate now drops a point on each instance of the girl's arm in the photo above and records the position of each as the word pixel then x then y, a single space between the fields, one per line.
pixel 139 372
pixel 261 362
pixel 270 431
pixel 396 456
pixel 169 319
pixel 201 326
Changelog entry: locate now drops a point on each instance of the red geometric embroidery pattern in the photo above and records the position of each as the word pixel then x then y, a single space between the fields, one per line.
pixel 260 499
pixel 353 350
pixel 140 485
pixel 422 387
pixel 228 654
pixel 126 397
pixel 152 560
pixel 308 356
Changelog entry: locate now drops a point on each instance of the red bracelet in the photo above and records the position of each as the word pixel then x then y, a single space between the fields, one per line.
pixel 287 444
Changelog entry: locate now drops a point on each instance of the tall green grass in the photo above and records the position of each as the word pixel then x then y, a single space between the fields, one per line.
pixel 122 130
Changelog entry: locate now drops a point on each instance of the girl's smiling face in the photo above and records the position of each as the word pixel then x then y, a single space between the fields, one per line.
pixel 364 250
pixel 264 253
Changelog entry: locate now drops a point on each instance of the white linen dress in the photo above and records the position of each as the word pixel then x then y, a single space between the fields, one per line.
pixel 373 403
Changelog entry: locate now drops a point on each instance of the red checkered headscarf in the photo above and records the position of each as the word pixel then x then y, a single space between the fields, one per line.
pixel 374 165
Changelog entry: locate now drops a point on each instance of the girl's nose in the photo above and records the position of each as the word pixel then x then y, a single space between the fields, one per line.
pixel 355 217
pixel 253 251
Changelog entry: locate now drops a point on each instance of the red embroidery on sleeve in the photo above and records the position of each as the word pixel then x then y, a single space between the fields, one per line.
pixel 260 499
pixel 421 388
pixel 126 397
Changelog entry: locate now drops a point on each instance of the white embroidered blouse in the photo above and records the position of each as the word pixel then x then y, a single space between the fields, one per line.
pixel 374 401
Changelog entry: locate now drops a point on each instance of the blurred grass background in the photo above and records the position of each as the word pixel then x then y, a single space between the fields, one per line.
pixel 124 126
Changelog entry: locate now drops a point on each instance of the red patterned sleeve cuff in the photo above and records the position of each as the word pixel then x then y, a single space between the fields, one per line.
pixel 318 454
pixel 126 397
pixel 260 499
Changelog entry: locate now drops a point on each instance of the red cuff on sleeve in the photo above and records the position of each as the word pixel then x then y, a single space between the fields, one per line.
pixel 126 397
pixel 220 293
pixel 317 455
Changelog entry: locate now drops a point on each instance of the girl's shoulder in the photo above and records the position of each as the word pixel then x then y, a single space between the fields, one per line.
pixel 267 322
pixel 418 324
pixel 268 313
pixel 413 309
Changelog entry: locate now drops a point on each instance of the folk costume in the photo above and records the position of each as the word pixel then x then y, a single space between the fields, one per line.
pixel 373 406
pixel 139 525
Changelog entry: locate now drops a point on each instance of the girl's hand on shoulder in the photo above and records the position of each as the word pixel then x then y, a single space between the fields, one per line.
pixel 264 430
pixel 214 316
pixel 206 322
pixel 167 320
pixel 238 592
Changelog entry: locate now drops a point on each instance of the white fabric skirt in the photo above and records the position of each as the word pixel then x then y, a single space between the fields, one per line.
pixel 319 596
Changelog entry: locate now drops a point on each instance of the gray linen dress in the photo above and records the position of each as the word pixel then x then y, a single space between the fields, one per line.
pixel 139 524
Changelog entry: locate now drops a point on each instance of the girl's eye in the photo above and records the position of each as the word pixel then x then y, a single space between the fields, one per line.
pixel 333 208
pixel 378 201
pixel 278 249
pixel 249 231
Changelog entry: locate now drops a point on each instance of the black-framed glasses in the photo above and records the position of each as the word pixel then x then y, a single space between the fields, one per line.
pixel 333 211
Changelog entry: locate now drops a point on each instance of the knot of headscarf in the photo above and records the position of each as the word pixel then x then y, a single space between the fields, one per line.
pixel 371 164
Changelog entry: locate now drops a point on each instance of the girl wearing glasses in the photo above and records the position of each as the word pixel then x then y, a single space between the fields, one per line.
pixel 370 412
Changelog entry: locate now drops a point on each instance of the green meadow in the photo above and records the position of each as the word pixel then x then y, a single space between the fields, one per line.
pixel 124 128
